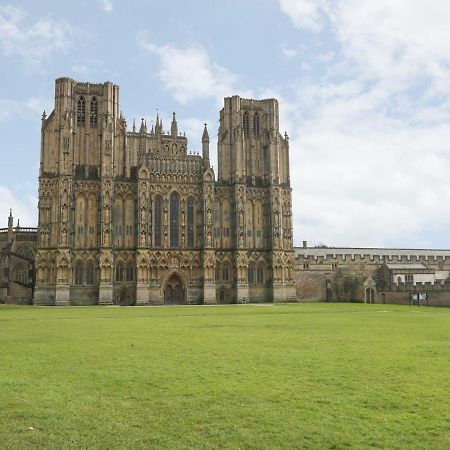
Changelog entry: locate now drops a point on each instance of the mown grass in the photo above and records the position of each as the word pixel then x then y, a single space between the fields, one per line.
pixel 244 376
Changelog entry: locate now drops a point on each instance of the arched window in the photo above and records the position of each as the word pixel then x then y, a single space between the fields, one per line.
pixel 90 274
pixel 21 274
pixel 158 221
pixel 218 272
pixel 119 272
pixel 245 123
pixel 130 272
pixel 79 274
pixel 174 219
pixel 256 124
pixel 225 273
pixel 251 274
pixel 260 274
pixel 190 222
pixel 81 110
pixel 94 112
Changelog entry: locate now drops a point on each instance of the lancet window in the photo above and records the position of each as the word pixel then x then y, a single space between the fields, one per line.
pixel 174 220
pixel 190 222
pixel 81 110
pixel 158 221
pixel 94 112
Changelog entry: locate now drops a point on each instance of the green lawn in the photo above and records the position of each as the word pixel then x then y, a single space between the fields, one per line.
pixel 240 376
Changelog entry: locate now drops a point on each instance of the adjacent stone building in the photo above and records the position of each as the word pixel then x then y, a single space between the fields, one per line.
pixel 134 217
pixel 372 275
pixel 17 255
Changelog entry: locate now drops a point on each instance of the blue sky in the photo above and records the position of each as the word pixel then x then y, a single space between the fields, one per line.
pixel 363 89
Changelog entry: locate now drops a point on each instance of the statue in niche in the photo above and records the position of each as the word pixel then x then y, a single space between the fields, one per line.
pixel 241 218
pixel 165 216
pixel 142 238
pixel 209 217
pixel 277 219
pixel 143 214
pixel 64 237
pixel 107 214
pixel 106 237
pixel 209 239
pixel 65 214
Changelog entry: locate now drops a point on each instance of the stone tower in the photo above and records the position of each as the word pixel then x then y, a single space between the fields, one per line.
pixel 254 201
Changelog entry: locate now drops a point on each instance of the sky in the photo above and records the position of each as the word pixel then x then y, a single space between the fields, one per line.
pixel 363 88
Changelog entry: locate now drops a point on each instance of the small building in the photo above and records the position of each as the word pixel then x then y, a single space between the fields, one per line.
pixel 17 255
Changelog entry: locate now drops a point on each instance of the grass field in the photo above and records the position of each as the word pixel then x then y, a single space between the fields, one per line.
pixel 243 376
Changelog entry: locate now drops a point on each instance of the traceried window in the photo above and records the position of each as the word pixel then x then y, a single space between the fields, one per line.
pixel 251 274
pixel 174 219
pixel 245 123
pixel 409 278
pixel 81 110
pixel 90 274
pixel 190 222
pixel 158 221
pixel 119 272
pixel 94 112
pixel 256 124
pixel 130 272
pixel 79 272
pixel 260 275
pixel 21 274
pixel 225 273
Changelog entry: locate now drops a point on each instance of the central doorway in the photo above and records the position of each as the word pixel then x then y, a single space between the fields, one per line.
pixel 174 294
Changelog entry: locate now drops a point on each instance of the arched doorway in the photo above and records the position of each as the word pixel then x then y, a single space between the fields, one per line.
pixel 174 293
pixel 370 295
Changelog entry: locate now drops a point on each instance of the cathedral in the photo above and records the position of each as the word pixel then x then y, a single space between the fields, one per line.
pixel 135 217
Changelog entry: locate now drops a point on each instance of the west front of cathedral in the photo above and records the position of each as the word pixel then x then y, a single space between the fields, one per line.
pixel 134 217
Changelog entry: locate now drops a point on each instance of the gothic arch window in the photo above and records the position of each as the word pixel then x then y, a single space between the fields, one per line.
pixel 79 272
pixel 260 274
pixel 94 112
pixel 130 272
pixel 120 272
pixel 245 123
pixel 158 220
pixel 90 270
pixel 21 274
pixel 225 272
pixel 174 219
pixel 256 124
pixel 81 110
pixel 251 273
pixel 190 222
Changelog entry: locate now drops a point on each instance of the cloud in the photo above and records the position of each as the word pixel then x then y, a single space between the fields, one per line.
pixel 289 52
pixel 106 5
pixel 24 208
pixel 189 73
pixel 304 13
pixel 12 109
pixel 371 127
pixel 36 42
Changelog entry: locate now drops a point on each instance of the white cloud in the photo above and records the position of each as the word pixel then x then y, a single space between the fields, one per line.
pixel 32 43
pixel 24 209
pixel 189 73
pixel 106 5
pixel 304 13
pixel 11 109
pixel 289 52
pixel 371 134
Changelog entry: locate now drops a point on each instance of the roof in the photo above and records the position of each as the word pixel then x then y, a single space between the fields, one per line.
pixel 406 266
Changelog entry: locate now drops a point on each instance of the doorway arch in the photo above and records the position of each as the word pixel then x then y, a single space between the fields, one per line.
pixel 174 292
pixel 370 295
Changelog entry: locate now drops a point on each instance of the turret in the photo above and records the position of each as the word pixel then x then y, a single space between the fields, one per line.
pixel 174 127
pixel 143 128
pixel 205 147
pixel 10 226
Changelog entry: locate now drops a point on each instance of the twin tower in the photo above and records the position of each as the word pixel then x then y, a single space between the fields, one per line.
pixel 133 217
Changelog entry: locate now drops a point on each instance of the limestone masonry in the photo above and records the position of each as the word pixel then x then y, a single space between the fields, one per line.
pixel 135 217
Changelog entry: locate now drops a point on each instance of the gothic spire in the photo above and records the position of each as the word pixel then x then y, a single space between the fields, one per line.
pixel 205 136
pixel 174 127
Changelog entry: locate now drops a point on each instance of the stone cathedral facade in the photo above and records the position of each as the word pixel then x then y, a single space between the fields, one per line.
pixel 134 217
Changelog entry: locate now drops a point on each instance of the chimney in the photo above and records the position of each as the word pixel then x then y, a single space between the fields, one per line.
pixel 305 244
